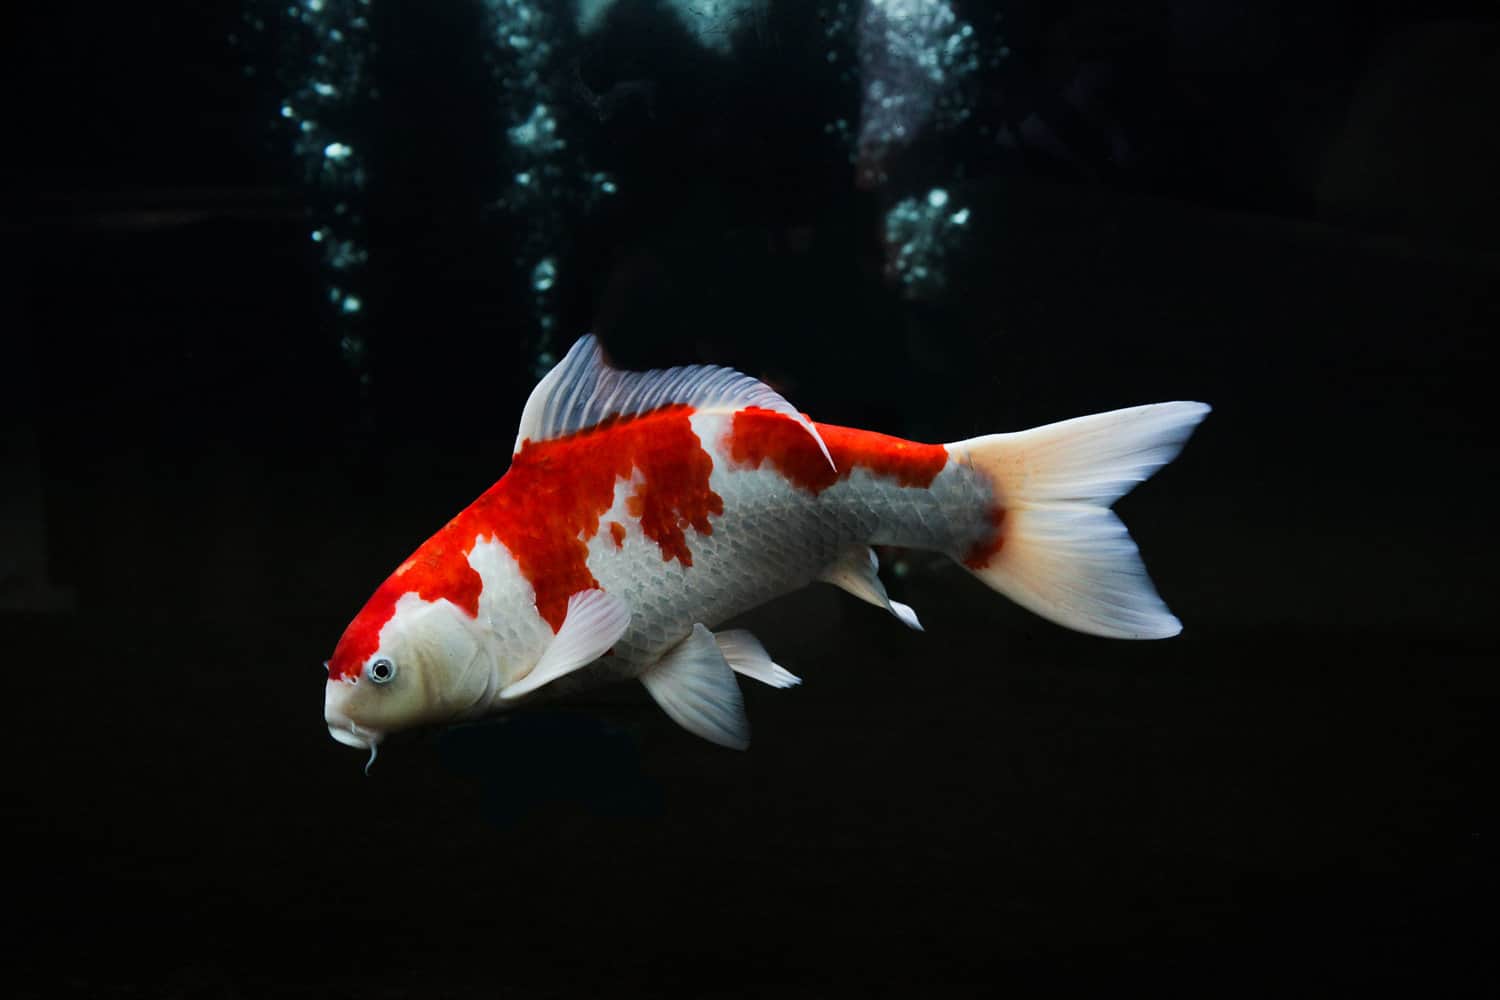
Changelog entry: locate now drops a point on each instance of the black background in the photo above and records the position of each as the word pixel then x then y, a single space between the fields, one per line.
pixel 1296 792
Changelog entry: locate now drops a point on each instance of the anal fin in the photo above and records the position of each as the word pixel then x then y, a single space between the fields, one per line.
pixel 694 684
pixel 855 573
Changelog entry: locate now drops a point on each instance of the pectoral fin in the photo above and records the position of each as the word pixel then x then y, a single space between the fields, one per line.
pixel 594 622
pixel 855 572
pixel 695 685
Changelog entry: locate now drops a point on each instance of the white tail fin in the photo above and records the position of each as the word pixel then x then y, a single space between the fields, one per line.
pixel 1062 553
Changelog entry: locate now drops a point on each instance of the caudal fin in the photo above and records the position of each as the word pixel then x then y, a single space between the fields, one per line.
pixel 1061 552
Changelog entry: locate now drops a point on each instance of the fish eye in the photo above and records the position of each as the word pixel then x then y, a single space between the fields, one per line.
pixel 382 671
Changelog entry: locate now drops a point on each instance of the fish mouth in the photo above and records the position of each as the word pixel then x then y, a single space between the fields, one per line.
pixel 351 735
pixel 342 728
pixel 346 731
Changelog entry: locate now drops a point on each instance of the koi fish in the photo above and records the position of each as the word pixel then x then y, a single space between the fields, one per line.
pixel 643 509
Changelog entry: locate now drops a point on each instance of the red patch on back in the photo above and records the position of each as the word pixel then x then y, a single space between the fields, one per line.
pixel 549 503
pixel 757 436
pixel 544 511
pixel 617 532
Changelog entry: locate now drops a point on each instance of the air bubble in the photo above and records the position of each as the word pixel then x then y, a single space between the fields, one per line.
pixel 544 275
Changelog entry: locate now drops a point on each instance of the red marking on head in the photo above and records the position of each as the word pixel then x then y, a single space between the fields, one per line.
pixel 757 436
pixel 617 532
pixel 984 552
pixel 439 569
pixel 544 511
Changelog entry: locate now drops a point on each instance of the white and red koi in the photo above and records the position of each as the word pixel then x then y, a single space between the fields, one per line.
pixel 642 509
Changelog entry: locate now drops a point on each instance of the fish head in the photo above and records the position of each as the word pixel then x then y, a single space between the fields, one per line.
pixel 405 663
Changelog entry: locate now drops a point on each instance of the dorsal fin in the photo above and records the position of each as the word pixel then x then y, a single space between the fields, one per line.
pixel 583 391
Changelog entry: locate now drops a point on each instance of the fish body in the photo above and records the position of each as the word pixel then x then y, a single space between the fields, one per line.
pixel 642 510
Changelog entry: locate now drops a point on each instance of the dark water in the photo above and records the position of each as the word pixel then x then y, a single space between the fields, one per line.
pixel 1288 214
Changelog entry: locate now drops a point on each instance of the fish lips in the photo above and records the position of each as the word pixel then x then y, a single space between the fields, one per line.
pixel 350 735
pixel 344 729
